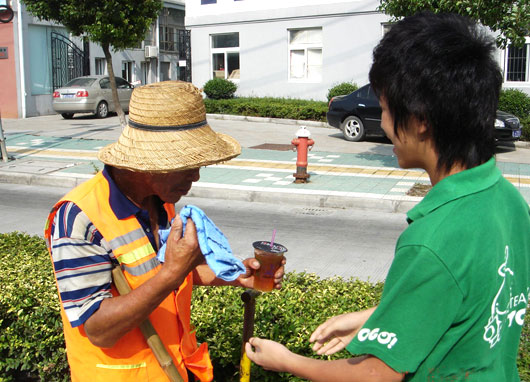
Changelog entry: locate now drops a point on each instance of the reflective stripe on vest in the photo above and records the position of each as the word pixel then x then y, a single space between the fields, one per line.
pixel 138 260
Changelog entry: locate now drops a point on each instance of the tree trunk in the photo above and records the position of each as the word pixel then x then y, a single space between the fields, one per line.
pixel 110 70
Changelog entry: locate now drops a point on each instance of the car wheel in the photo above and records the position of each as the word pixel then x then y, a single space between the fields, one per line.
pixel 102 110
pixel 67 115
pixel 353 129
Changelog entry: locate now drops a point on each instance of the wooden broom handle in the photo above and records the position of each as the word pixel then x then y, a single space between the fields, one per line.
pixel 149 332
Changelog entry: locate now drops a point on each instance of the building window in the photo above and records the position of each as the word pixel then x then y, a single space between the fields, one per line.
pixel 225 56
pixel 101 66
pixel 305 54
pixel 170 22
pixel 168 38
pixel 517 63
pixel 127 70
pixel 208 2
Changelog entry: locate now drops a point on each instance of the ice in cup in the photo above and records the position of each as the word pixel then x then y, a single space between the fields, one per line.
pixel 270 259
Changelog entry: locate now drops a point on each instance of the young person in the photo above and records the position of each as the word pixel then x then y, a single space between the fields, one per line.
pixel 456 294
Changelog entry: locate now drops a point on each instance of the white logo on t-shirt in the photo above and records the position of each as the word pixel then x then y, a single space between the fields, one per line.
pixel 384 338
pixel 500 307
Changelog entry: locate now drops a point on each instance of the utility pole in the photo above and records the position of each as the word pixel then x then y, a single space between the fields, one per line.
pixel 3 142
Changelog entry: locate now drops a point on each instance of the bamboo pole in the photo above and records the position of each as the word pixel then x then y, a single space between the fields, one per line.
pixel 149 332
pixel 249 298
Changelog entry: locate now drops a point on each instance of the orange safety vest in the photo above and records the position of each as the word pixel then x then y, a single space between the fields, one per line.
pixel 131 359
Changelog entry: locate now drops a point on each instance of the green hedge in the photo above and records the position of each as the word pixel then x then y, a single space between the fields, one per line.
pixel 288 316
pixel 341 89
pixel 219 88
pixel 515 101
pixel 269 107
pixel 31 334
pixel 32 344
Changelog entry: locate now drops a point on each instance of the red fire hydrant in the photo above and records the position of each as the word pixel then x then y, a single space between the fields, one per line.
pixel 302 143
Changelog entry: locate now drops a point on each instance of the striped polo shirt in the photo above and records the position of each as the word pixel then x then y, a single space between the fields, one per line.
pixel 83 259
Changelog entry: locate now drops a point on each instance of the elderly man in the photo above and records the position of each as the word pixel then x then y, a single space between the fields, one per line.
pixel 114 220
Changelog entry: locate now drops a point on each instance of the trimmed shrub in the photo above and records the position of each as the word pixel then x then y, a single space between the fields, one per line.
pixel 270 108
pixel 342 89
pixel 219 88
pixel 31 338
pixel 289 316
pixel 516 102
pixel 525 122
pixel 31 334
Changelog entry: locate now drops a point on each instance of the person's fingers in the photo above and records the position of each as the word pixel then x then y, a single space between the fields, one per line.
pixel 332 346
pixel 251 264
pixel 191 230
pixel 317 333
pixel 176 229
pixel 250 352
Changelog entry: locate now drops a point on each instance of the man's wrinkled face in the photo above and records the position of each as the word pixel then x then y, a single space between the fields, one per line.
pixel 172 186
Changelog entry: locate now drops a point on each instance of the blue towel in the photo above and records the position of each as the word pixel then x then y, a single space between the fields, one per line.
pixel 213 243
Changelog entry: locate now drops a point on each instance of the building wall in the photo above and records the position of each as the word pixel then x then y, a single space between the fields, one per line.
pixel 8 89
pixel 30 69
pixel 350 30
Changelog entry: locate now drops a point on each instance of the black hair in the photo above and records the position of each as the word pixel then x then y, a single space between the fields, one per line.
pixel 440 69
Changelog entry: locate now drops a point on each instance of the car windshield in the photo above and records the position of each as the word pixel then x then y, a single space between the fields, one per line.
pixel 80 82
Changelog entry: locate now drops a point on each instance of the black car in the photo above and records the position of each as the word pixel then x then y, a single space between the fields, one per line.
pixel 358 114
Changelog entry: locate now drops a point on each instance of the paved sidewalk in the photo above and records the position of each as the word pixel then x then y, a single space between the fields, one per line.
pixel 261 173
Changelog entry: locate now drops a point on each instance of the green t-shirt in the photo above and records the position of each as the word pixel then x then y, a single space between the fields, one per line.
pixel 457 291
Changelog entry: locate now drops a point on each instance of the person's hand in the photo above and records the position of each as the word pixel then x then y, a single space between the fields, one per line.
pixel 268 354
pixel 337 332
pixel 182 252
pixel 246 280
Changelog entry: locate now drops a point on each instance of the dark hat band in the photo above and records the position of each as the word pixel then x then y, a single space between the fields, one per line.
pixel 190 126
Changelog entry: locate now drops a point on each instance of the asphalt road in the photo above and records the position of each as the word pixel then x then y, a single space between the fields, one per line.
pixel 326 241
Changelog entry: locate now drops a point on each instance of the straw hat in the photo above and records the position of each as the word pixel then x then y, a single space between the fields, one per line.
pixel 167 131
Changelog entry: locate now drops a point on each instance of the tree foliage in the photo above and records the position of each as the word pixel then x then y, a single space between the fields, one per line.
pixel 119 23
pixel 116 24
pixel 510 18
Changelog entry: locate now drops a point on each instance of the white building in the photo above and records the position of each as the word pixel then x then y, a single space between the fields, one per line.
pixel 298 48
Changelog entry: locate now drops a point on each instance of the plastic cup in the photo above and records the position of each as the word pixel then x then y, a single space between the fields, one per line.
pixel 270 259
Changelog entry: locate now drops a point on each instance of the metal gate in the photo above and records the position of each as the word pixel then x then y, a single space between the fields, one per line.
pixel 68 61
pixel 184 45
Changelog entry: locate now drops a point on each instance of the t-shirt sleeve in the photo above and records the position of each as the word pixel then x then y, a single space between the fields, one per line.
pixel 419 303
pixel 82 263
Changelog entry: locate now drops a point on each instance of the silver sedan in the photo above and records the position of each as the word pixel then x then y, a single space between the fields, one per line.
pixel 90 94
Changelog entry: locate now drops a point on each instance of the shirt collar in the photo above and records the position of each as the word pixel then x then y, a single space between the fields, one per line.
pixel 456 186
pixel 119 203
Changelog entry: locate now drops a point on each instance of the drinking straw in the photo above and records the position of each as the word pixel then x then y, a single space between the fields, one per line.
pixel 273 235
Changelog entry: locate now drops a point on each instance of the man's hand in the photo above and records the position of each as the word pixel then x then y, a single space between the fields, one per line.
pixel 251 264
pixel 337 332
pixel 268 354
pixel 182 252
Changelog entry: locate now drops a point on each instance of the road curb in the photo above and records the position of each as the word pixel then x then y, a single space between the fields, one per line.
pixel 268 120
pixel 199 191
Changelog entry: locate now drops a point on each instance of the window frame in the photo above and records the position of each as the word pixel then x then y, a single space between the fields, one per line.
pixel 130 70
pixel 306 47
pixel 526 65
pixel 225 52
pixel 100 63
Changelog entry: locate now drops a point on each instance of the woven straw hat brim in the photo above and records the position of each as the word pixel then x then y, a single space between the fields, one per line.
pixel 166 151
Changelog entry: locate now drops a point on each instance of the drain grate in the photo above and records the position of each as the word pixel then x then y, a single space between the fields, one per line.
pixel 273 146
pixel 313 211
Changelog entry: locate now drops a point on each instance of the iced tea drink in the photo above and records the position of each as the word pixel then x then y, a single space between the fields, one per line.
pixel 270 259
